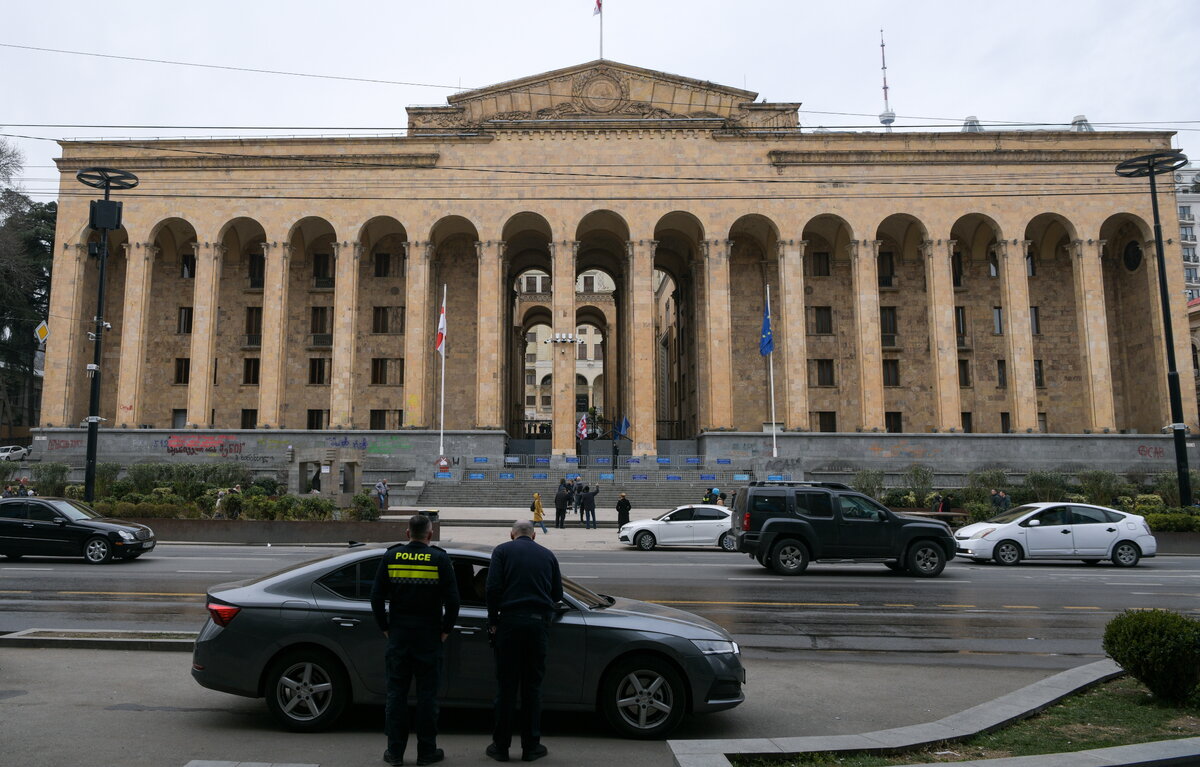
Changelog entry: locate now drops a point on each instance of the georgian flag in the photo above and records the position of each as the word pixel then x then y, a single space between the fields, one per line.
pixel 599 9
pixel 582 428
pixel 440 343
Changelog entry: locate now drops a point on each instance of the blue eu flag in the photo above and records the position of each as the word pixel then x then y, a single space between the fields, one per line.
pixel 766 344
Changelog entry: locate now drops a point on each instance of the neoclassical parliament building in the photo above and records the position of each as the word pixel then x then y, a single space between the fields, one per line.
pixel 921 283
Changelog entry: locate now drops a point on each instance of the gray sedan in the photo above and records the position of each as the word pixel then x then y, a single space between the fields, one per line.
pixel 304 638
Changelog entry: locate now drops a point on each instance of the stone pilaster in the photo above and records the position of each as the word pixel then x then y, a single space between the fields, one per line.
pixel 278 259
pixel 1022 394
pixel 489 313
pixel 65 357
pixel 1092 321
pixel 346 368
pixel 205 309
pixel 418 336
pixel 562 308
pixel 718 334
pixel 789 306
pixel 868 347
pixel 943 342
pixel 132 372
pixel 643 416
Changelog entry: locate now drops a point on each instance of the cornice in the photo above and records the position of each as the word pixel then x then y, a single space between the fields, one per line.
pixel 933 155
pixel 375 161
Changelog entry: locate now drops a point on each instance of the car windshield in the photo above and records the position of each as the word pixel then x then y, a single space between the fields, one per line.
pixel 665 514
pixel 74 511
pixel 1012 515
pixel 590 599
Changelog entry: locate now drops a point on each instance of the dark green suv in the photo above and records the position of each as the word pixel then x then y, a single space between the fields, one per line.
pixel 785 525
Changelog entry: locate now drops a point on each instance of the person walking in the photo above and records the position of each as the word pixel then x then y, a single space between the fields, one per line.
pixel 523 586
pixel 417 582
pixel 381 494
pixel 1005 503
pixel 538 514
pixel 587 505
pixel 623 509
pixel 562 499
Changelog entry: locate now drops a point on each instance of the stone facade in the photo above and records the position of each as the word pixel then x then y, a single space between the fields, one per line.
pixel 920 282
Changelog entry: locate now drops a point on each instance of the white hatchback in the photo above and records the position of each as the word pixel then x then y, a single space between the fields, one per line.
pixel 698 524
pixel 13 453
pixel 1058 531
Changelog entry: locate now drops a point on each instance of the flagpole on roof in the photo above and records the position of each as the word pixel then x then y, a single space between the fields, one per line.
pixel 771 364
pixel 442 408
pixel 599 11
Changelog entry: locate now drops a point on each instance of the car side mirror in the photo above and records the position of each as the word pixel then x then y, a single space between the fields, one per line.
pixel 60 521
pixel 1034 523
pixel 562 607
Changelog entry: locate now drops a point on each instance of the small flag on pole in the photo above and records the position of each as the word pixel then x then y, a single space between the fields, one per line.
pixel 766 344
pixel 623 428
pixel 599 8
pixel 582 429
pixel 440 343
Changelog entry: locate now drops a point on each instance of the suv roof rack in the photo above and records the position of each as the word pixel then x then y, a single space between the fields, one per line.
pixel 800 483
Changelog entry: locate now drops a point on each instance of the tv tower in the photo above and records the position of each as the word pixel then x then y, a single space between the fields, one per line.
pixel 888 116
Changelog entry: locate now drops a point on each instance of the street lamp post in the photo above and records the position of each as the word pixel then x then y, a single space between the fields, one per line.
pixel 105 216
pixel 1151 165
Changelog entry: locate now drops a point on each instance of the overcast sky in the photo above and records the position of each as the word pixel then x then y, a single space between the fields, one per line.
pixel 1041 61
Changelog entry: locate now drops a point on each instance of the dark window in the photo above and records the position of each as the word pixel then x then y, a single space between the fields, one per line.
pixel 814 505
pixel 318 371
pixel 891 372
pixel 960 325
pixel 998 320
pixel 1039 374
pixel 183 369
pixel 387 371
pixel 378 419
pixel 1001 374
pixel 1055 517
pixel 187 266
pixel 250 370
pixel 12 510
pixel 1035 321
pixel 531 284
pixel 893 421
pixel 319 320
pixel 967 426
pixel 1042 423
pixel 581 352
pixel 709 514
pixel 596 353
pixel 249 418
pixel 682 515
pixel 826 420
pixel 887 325
pixel 178 418
pixel 383 264
pixel 39 513
pixel 956 269
pixel 354 581
pixel 1030 266
pixel 254 320
pixel 770 503
pixel 886 267
pixel 822 373
pixel 855 507
pixel 820 265
pixel 993 266
pixel 318 419
pixel 183 324
pixel 1085 515
pixel 322 270
pixel 589 284
pixel 1005 423
pixel 822 320
pixel 964 373
pixel 379 320
pixel 256 267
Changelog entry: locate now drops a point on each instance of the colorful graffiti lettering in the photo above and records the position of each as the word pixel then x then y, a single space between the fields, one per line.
pixel 358 443
pixel 1150 451
pixel 63 444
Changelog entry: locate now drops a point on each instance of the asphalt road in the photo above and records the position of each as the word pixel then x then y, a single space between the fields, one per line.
pixel 1040 615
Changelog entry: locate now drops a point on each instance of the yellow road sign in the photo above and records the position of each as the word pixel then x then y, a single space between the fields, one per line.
pixel 41 332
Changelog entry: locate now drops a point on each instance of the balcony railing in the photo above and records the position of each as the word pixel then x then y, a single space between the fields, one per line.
pixel 322 282
pixel 320 339
pixel 888 339
pixel 252 340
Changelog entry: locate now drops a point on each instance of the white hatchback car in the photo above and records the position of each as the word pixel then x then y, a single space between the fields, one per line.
pixel 13 453
pixel 699 524
pixel 1058 531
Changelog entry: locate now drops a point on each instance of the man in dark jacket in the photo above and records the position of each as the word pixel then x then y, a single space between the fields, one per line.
pixel 587 505
pixel 417 581
pixel 523 586
pixel 623 508
pixel 562 499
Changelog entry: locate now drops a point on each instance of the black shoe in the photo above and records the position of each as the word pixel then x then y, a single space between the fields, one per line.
pixel 437 756
pixel 535 753
pixel 392 759
pixel 497 753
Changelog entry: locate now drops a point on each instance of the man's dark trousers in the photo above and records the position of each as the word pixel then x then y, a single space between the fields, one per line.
pixel 413 653
pixel 521 643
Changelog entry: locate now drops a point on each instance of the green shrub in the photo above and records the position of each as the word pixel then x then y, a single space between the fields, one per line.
pixel 981 483
pixel 74 492
pixel 104 508
pixel 286 506
pixel 270 485
pixel 224 474
pixel 260 507
pixel 1047 485
pixel 231 506
pixel 918 478
pixel 1021 495
pixel 50 478
pixel 893 497
pixel 1074 498
pixel 255 490
pixel 314 508
pixel 1125 503
pixel 1147 504
pixel 207 501
pixel 1100 487
pixel 147 476
pixel 869 482
pixel 1160 648
pixel 1173 523
pixel 979 511
pixel 1166 486
pixel 929 498
pixel 118 489
pixel 106 475
pixel 7 470
pixel 364 508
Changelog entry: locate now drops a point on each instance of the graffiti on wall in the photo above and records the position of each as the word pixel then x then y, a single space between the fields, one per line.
pixel 64 444
pixel 1150 451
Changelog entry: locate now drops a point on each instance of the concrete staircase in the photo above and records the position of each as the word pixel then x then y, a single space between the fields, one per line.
pixel 654 492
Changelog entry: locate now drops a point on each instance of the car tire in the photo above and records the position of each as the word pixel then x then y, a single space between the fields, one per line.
pixel 727 542
pixel 789 557
pixel 1126 554
pixel 644 541
pixel 643 697
pixel 925 559
pixel 98 550
pixel 1007 553
pixel 306 690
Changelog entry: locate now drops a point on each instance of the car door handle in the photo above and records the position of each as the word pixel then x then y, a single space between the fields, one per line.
pixel 1065 531
pixel 467 630
pixel 1110 529
pixel 346 622
pixel 27 524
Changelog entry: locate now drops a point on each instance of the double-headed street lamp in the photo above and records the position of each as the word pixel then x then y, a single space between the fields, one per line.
pixel 105 216
pixel 1152 165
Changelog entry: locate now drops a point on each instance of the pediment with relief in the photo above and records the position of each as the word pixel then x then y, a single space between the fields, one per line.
pixel 603 94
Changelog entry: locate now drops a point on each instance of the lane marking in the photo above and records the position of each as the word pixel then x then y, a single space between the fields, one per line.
pixel 38 569
pixel 1021 607
pixel 15 592
pixel 1072 607
pixel 956 605
pixel 205 571
pixel 763 578
pixel 767 604
pixel 1114 583
pixel 131 593
pixel 579 577
pixel 898 604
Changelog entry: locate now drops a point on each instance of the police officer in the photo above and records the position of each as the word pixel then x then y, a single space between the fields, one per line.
pixel 417 581
pixel 523 586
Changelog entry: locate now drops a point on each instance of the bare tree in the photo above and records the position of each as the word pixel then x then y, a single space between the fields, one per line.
pixel 10 161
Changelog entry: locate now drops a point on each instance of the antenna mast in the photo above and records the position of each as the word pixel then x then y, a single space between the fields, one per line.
pixel 888 117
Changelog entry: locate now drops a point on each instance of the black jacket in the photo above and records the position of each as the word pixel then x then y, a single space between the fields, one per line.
pixel 587 501
pixel 417 581
pixel 523 578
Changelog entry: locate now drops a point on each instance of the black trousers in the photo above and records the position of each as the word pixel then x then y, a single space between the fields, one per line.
pixel 521 643
pixel 412 653
pixel 560 516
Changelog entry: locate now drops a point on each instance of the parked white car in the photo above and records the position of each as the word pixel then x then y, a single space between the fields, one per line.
pixel 698 524
pixel 1058 531
pixel 13 453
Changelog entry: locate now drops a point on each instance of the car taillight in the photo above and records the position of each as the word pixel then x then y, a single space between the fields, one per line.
pixel 221 614
pixel 746 521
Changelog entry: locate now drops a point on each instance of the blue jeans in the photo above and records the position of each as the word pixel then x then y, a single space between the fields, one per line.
pixel 412 653
pixel 521 644
pixel 589 518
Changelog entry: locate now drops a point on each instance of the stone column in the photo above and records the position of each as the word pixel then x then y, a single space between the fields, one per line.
pixel 789 305
pixel 1015 291
pixel 418 336
pixel 132 371
pixel 205 313
pixel 718 332
pixel 65 357
pixel 643 418
pixel 277 271
pixel 1091 317
pixel 348 257
pixel 864 271
pixel 562 321
pixel 490 316
pixel 698 270
pixel 943 341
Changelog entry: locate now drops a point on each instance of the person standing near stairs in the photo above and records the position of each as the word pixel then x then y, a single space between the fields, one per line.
pixel 562 498
pixel 538 514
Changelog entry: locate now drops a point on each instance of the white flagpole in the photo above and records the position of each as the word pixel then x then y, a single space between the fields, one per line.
pixel 442 415
pixel 601 32
pixel 771 363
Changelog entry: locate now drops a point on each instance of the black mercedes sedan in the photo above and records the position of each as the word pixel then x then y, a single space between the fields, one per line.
pixel 304 639
pixel 59 527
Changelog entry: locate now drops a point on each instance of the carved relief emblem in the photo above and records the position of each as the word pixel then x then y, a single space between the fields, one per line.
pixel 600 92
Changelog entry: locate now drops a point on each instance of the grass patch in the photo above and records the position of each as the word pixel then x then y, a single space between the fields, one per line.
pixel 1118 713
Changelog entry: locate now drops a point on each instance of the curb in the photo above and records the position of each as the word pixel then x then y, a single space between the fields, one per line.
pixel 134 640
pixel 980 719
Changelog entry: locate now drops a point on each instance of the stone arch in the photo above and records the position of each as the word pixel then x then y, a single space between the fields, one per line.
pixel 753 264
pixel 908 377
pixel 239 336
pixel 829 290
pixel 168 334
pixel 455 265
pixel 528 279
pixel 378 301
